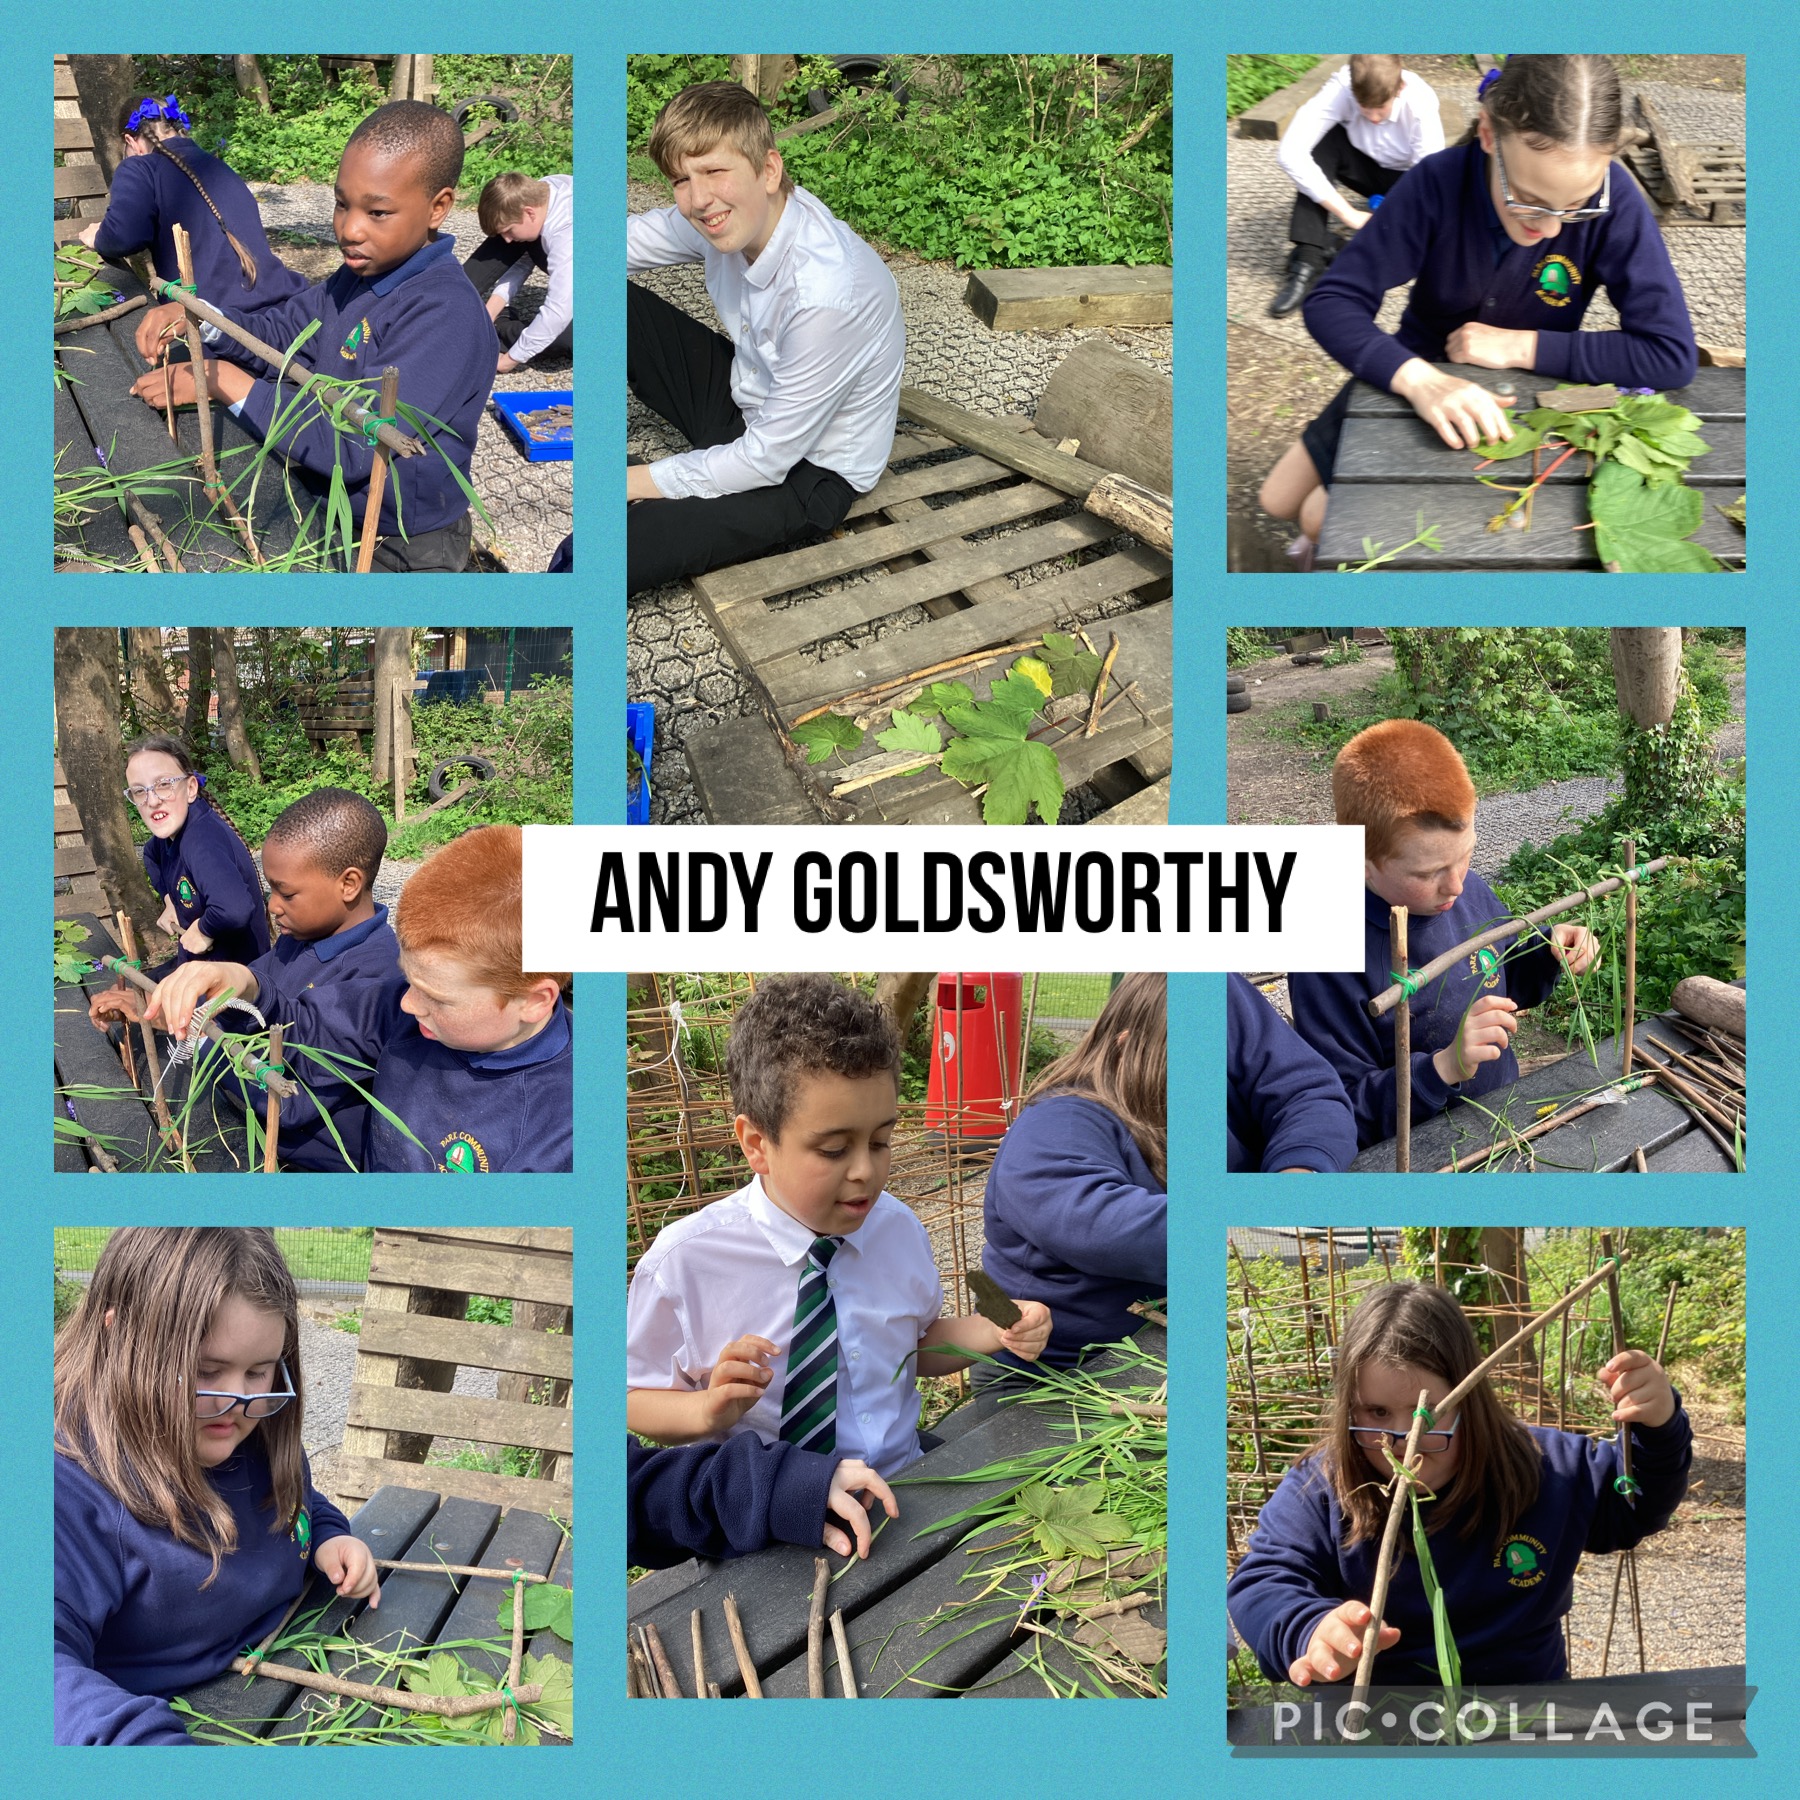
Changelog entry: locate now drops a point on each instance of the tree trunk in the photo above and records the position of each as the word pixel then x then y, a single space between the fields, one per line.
pixel 105 83
pixel 250 79
pixel 536 1315
pixel 392 669
pixel 901 996
pixel 197 727
pixel 1646 664
pixel 231 708
pixel 149 680
pixel 1503 1250
pixel 93 759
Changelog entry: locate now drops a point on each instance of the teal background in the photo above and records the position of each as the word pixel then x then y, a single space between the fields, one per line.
pixel 907 1747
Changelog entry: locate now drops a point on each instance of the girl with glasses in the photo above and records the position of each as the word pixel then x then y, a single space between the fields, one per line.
pixel 186 1518
pixel 1505 239
pixel 1508 1509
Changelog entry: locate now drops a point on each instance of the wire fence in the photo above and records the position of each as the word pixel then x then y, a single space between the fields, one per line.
pixel 324 1260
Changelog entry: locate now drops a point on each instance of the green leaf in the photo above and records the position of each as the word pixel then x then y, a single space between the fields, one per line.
pixel 557 1702
pixel 1073 668
pixel 547 1607
pixel 828 732
pixel 1643 529
pixel 443 1675
pixel 1525 439
pixel 1036 672
pixel 1019 774
pixel 911 731
pixel 1068 1520
pixel 941 696
pixel 1735 511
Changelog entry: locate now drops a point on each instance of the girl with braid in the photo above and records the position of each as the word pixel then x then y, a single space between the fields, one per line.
pixel 167 180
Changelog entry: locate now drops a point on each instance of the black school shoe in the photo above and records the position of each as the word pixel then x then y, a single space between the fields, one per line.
pixel 1300 278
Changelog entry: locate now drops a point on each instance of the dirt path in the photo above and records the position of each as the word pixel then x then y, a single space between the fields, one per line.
pixel 1269 779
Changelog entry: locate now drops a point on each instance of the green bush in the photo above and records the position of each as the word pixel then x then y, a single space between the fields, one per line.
pixel 651 82
pixel 1249 79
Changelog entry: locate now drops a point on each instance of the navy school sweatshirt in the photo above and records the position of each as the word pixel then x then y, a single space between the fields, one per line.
pixel 476 1112
pixel 1505 1601
pixel 1435 230
pixel 133 1625
pixel 341 994
pixel 1075 1218
pixel 150 197
pixel 1284 1105
pixel 719 1500
pixel 1328 1009
pixel 210 875
pixel 427 320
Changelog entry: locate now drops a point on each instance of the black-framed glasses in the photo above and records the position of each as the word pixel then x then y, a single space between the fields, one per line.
pixel 160 789
pixel 1523 210
pixel 215 1403
pixel 1431 1443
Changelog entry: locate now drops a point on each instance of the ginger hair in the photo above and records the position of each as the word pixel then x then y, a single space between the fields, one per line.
pixel 1400 776
pixel 1374 80
pixel 466 903
pixel 505 198
pixel 710 113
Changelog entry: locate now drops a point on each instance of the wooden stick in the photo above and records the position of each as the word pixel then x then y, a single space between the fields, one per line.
pixel 365 555
pixel 509 1724
pixel 1625 1046
pixel 1639 1162
pixel 275 1084
pixel 1093 718
pixel 158 1100
pixel 815 1630
pixel 1138 1409
pixel 1662 1341
pixel 1555 1122
pixel 740 1649
pixel 145 554
pixel 846 1669
pixel 665 1670
pixel 209 466
pixel 436 1568
pixel 1384 1562
pixel 1704 1113
pixel 104 316
pixel 1385 1000
pixel 919 675
pixel 458 1706
pixel 700 1682
pixel 1618 1335
pixel 1107 1608
pixel 272 1120
pixel 640 1656
pixel 1402 1048
pixel 146 518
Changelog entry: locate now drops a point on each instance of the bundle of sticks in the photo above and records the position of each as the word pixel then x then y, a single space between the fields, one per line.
pixel 1709 1078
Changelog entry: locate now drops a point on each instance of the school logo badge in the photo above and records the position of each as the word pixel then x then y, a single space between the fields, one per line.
pixel 1484 965
pixel 302 1532
pixel 463 1155
pixel 1557 279
pixel 352 346
pixel 1523 1559
pixel 184 891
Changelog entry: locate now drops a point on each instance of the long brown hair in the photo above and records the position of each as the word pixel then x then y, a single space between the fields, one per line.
pixel 124 1391
pixel 1414 1325
pixel 1564 102
pixel 1123 1062
pixel 153 131
pixel 161 744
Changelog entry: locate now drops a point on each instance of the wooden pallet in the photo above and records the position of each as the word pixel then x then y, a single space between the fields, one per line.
pixel 77 880
pixel 930 556
pixel 1697 183
pixel 81 178
pixel 414 1337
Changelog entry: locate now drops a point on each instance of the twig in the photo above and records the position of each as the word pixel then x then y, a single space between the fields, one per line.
pixel 1626 1046
pixel 1093 718
pixel 509 1725
pixel 1148 1312
pixel 846 1669
pixel 1138 1409
pixel 145 554
pixel 1662 1341
pixel 146 518
pixel 209 465
pixel 436 1568
pixel 100 318
pixel 1555 1122
pixel 274 1082
pixel 451 1706
pixel 1107 1608
pixel 665 1670
pixel 164 1124
pixel 907 765
pixel 365 555
pixel 1397 917
pixel 815 1630
pixel 740 1649
pixel 272 1124
pixel 900 681
pixel 700 1681
pixel 648 1685
pixel 1639 1162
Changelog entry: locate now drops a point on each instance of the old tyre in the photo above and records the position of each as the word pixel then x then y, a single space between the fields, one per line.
pixel 855 72
pixel 1235 684
pixel 482 769
pixel 1237 703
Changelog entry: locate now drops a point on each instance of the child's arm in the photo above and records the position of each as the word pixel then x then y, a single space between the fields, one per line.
pixel 736 1382
pixel 1026 1340
pixel 1293 1093
pixel 173 1003
pixel 1662 1448
pixel 556 312
pixel 1295 153
pixel 661 239
pixel 1532 974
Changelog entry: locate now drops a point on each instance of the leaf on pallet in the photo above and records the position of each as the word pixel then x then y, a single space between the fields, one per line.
pixel 1073 667
pixel 941 696
pixel 828 732
pixel 911 731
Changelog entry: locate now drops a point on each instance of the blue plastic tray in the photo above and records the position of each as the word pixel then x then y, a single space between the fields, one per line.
pixel 560 448
pixel 640 733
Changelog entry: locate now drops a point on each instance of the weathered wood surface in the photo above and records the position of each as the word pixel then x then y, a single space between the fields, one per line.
pixel 545 1353
pixel 1024 451
pixel 743 776
pixel 1146 514
pixel 1149 806
pixel 355 1473
pixel 1118 408
pixel 1270 117
pixel 472 1417
pixel 1057 299
pixel 1721 1004
pixel 1714 393
pixel 517 1274
pixel 1395 448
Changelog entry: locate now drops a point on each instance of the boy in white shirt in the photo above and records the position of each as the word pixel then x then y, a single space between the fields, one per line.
pixel 791 411
pixel 528 224
pixel 803 1306
pixel 1363 130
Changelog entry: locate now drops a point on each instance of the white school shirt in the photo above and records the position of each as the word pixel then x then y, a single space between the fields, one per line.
pixel 818 348
pixel 734 1267
pixel 1411 131
pixel 558 240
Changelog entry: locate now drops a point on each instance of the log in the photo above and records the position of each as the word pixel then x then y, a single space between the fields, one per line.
pixel 1020 450
pixel 1119 408
pixel 1055 299
pixel 1148 516
pixel 1714 1003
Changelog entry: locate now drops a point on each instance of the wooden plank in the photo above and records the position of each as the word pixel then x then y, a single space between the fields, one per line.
pixel 1119 409
pixel 1407 449
pixel 79 181
pixel 1150 806
pixel 73 859
pixel 743 776
pixel 938 478
pixel 71 134
pixel 470 1416
pixel 1056 299
pixel 908 444
pixel 1019 450
pixel 523 1540
pixel 1270 118
pixel 1714 393
pixel 362 1475
pixel 66 820
pixel 468 1345
pixel 516 1275
pixel 559 1239
pixel 68 230
pixel 722 589
pixel 65 81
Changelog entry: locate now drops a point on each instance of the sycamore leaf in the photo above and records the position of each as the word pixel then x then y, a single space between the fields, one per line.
pixel 1525 438
pixel 1068 1521
pixel 1073 667
pixel 1020 774
pixel 941 696
pixel 911 731
pixel 1644 529
pixel 547 1607
pixel 1036 672
pixel 557 1702
pixel 442 1675
pixel 1734 512
pixel 821 736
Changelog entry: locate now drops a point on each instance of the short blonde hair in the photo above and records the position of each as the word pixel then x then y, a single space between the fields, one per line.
pixel 1374 80
pixel 706 115
pixel 505 198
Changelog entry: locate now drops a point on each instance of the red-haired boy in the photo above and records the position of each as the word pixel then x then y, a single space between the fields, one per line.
pixel 1406 786
pixel 482 1072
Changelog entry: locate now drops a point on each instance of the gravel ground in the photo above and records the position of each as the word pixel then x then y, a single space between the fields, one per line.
pixel 532 504
pixel 672 655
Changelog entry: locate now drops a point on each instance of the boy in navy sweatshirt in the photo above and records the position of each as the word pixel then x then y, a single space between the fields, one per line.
pixel 333 978
pixel 482 1069
pixel 400 298
pixel 1406 786
pixel 1284 1107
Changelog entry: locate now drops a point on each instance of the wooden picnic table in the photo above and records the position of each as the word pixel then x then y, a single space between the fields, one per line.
pixel 889 1601
pixel 1601 1142
pixel 1392 466
pixel 405 1524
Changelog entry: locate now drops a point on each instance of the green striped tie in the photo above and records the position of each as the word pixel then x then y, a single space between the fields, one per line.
pixel 809 1399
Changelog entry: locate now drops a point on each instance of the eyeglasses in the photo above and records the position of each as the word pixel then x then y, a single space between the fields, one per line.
pixel 212 1403
pixel 1521 210
pixel 1431 1443
pixel 160 789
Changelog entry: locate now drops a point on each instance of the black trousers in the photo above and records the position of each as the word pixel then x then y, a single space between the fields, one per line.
pixel 489 260
pixel 444 551
pixel 1343 165
pixel 681 370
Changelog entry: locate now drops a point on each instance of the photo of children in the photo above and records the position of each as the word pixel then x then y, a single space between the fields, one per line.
pixel 873 370
pixel 1510 286
pixel 371 1013
pixel 256 216
pixel 800 1344
pixel 1554 838
pixel 248 1549
pixel 1569 1407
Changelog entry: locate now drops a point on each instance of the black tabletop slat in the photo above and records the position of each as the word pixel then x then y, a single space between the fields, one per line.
pixel 524 1540
pixel 1713 393
pixel 1395 448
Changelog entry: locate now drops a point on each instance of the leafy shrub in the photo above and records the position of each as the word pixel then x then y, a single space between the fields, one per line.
pixel 1249 79
pixel 651 82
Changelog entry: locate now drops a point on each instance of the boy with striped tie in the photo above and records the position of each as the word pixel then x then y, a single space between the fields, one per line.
pixel 794 1307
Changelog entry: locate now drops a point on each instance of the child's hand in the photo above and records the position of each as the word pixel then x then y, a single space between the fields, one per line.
pixel 1487 1029
pixel 1028 1337
pixel 224 381
pixel 738 1380
pixel 176 996
pixel 1462 413
pixel 1336 1645
pixel 1575 947
pixel 349 1565
pixel 168 919
pixel 1640 1391
pixel 850 1478
pixel 154 325
pixel 1491 347
pixel 119 1002
pixel 195 941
